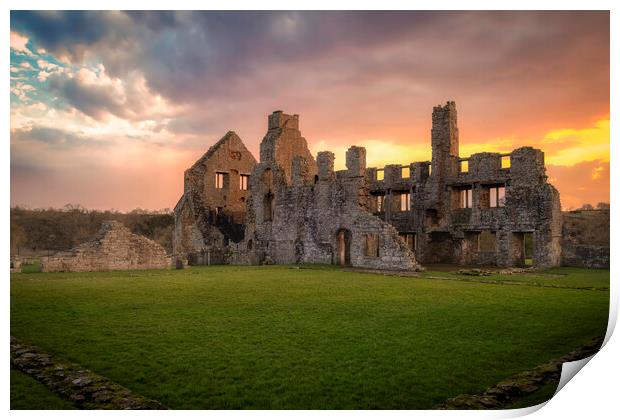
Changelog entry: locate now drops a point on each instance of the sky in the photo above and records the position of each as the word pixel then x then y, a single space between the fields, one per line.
pixel 109 108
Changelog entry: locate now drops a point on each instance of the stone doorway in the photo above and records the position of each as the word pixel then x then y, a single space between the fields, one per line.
pixel 343 239
pixel 522 249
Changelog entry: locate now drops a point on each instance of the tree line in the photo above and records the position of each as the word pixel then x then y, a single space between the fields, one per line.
pixel 36 231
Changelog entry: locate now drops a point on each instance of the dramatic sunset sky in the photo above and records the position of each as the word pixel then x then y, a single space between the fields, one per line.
pixel 109 108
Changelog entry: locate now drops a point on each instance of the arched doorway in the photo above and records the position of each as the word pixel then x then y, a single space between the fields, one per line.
pixel 343 246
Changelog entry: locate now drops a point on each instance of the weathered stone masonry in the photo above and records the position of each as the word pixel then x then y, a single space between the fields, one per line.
pixel 211 212
pixel 114 247
pixel 585 238
pixel 480 210
pixel 454 202
pixel 301 212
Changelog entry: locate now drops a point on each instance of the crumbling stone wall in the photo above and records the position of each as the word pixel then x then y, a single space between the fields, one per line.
pixel 585 238
pixel 447 233
pixel 114 247
pixel 299 209
pixel 311 214
pixel 210 216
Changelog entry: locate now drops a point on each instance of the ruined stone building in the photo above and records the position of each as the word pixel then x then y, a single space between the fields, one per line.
pixel 295 208
pixel 211 213
pixel 114 247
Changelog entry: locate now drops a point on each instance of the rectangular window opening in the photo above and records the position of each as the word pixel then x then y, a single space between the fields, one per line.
pixel 405 201
pixel 380 203
pixel 220 179
pixel 464 168
pixel 505 162
pixel 243 182
pixel 405 172
pixel 409 239
pixel 465 198
pixel 487 241
pixel 380 174
pixel 371 248
pixel 497 196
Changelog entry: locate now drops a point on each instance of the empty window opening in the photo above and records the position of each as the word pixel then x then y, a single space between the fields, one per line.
pixel 250 244
pixel 380 203
pixel 343 247
pixel 464 167
pixel 405 201
pixel 487 241
pixel 405 172
pixel 371 248
pixel 528 248
pixel 430 169
pixel 497 196
pixel 472 240
pixel 522 249
pixel 316 179
pixel 380 174
pixel 268 207
pixel 217 213
pixel 432 217
pixel 465 198
pixel 220 179
pixel 409 239
pixel 243 182
pixel 505 162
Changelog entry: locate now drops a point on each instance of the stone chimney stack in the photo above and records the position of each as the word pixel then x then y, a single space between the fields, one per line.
pixel 444 138
pixel 356 161
pixel 325 162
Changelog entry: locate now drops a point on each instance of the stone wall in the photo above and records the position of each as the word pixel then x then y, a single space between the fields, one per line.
pixel 113 248
pixel 298 209
pixel 447 233
pixel 585 238
pixel 209 215
pixel 303 213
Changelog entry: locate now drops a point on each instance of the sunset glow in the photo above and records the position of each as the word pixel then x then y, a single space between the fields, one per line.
pixel 112 116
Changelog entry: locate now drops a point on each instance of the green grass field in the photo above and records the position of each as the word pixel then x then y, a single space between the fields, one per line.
pixel 278 337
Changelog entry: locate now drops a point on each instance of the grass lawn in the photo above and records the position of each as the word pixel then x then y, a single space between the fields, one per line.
pixel 560 277
pixel 277 337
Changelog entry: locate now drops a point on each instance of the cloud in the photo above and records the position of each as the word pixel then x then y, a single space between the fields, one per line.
pixel 98 95
pixel 68 34
pixel 22 90
pixel 46 65
pixel 180 80
pixel 42 76
pixel 581 183
pixel 50 136
pixel 18 43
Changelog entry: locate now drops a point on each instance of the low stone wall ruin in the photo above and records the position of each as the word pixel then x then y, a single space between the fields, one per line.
pixel 113 248
pixel 585 238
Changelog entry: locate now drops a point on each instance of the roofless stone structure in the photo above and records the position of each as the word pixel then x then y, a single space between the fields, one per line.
pixel 291 207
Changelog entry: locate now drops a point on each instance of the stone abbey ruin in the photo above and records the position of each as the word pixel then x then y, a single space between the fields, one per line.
pixel 291 207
